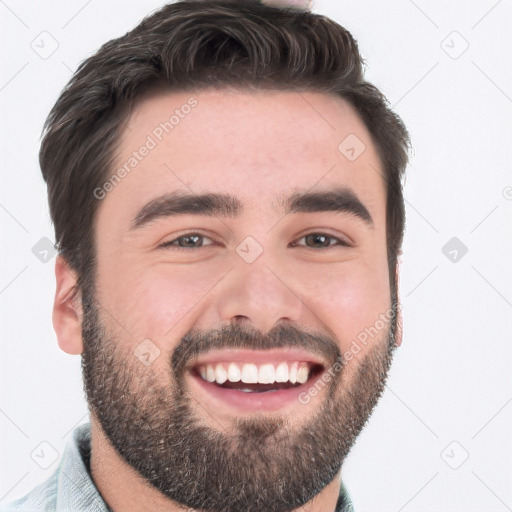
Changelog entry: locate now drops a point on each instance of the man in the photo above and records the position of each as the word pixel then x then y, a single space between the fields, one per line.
pixel 226 193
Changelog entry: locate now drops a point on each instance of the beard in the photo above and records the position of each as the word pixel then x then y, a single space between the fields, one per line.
pixel 265 462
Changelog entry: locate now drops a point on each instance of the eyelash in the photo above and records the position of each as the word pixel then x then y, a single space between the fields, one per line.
pixel 168 244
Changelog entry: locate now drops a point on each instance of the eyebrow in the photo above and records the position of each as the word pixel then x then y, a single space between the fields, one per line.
pixel 341 200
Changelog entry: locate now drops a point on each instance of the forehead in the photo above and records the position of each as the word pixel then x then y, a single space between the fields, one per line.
pixel 261 146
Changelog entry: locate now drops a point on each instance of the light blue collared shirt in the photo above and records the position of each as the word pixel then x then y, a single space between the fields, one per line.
pixel 71 488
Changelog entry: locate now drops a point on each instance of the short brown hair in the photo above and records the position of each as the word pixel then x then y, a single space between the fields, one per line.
pixel 193 44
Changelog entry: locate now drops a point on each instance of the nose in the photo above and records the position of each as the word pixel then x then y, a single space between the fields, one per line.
pixel 260 295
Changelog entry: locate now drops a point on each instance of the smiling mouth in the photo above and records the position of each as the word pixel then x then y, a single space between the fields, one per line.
pixel 245 381
pixel 258 378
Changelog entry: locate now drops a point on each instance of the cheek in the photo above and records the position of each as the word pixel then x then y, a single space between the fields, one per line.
pixel 156 302
pixel 351 302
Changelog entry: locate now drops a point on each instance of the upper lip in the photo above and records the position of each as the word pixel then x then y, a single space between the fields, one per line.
pixel 243 356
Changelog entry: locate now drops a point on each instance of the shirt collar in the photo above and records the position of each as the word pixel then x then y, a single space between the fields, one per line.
pixel 75 487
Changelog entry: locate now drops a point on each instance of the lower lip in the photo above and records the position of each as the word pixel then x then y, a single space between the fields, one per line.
pixel 242 401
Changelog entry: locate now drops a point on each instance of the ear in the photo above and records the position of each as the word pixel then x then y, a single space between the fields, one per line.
pixel 399 324
pixel 67 309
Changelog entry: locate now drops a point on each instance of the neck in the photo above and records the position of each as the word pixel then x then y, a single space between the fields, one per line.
pixel 124 490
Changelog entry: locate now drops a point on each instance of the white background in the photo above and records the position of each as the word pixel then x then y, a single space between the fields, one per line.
pixel 451 380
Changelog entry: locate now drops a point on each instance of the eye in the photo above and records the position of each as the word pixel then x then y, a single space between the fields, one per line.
pixel 321 241
pixel 187 241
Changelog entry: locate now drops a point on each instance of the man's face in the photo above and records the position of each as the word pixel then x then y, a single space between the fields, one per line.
pixel 269 297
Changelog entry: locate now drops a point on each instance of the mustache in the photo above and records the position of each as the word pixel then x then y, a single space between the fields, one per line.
pixel 197 342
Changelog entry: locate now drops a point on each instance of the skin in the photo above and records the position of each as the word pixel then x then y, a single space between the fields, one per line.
pixel 258 146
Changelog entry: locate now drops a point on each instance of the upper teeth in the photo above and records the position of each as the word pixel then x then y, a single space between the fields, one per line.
pixel 250 373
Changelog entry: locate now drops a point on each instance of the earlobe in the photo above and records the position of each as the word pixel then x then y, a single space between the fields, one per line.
pixel 67 310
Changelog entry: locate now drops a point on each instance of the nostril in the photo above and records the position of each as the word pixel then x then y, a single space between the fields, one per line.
pixel 238 319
